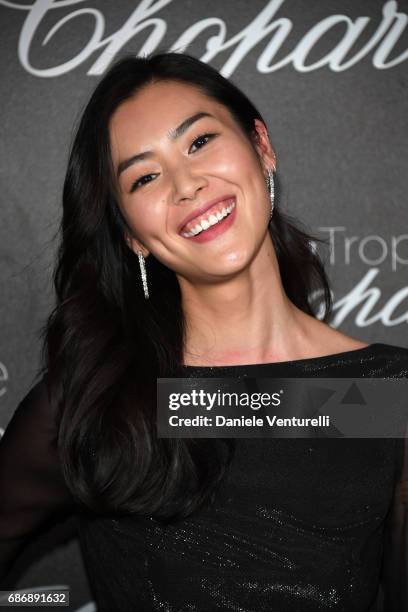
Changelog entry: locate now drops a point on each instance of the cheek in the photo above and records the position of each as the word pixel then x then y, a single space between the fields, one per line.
pixel 238 163
pixel 146 216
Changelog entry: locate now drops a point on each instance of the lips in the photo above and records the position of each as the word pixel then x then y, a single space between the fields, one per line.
pixel 202 209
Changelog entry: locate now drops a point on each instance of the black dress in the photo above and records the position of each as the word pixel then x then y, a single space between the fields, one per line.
pixel 299 524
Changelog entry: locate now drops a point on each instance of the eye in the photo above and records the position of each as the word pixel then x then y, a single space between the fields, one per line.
pixel 198 142
pixel 202 140
pixel 141 181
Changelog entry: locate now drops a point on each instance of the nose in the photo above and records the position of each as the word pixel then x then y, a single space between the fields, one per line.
pixel 186 183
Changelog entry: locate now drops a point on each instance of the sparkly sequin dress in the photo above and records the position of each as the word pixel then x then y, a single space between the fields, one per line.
pixel 301 525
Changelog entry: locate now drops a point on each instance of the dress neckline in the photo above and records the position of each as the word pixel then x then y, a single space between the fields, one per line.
pixel 335 356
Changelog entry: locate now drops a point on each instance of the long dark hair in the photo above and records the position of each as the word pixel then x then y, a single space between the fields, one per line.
pixel 104 345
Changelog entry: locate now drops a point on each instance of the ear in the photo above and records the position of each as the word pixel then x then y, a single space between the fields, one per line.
pixel 135 246
pixel 263 146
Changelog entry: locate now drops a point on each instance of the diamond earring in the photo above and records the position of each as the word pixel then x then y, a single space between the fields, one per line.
pixel 269 182
pixel 143 274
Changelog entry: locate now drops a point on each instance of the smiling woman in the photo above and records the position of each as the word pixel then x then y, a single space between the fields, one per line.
pixel 176 261
pixel 196 176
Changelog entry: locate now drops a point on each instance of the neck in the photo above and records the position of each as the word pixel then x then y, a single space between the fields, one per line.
pixel 245 319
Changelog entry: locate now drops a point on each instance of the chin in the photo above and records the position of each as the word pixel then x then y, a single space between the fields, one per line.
pixel 231 262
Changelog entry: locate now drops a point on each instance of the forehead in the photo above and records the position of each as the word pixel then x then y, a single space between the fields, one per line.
pixel 156 109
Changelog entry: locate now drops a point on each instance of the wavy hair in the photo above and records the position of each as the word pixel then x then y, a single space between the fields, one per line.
pixel 104 345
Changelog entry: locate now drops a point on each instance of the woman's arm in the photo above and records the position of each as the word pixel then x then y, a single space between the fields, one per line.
pixel 32 489
pixel 395 564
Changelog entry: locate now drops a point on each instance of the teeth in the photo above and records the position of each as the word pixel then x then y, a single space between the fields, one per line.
pixel 213 219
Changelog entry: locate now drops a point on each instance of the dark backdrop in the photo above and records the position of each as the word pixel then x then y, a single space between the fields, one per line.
pixel 330 78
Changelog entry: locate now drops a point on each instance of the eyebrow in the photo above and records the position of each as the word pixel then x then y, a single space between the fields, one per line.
pixel 172 134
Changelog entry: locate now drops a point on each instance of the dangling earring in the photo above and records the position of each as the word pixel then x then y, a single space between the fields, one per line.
pixel 269 182
pixel 143 274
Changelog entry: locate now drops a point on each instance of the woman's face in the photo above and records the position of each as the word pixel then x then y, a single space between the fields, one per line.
pixel 176 173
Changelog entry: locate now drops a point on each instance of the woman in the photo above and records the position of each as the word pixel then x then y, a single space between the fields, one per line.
pixel 175 261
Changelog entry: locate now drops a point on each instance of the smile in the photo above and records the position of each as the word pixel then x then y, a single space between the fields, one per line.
pixel 213 216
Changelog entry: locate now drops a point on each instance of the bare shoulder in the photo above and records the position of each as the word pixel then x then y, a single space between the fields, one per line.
pixel 329 340
pixel 319 339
